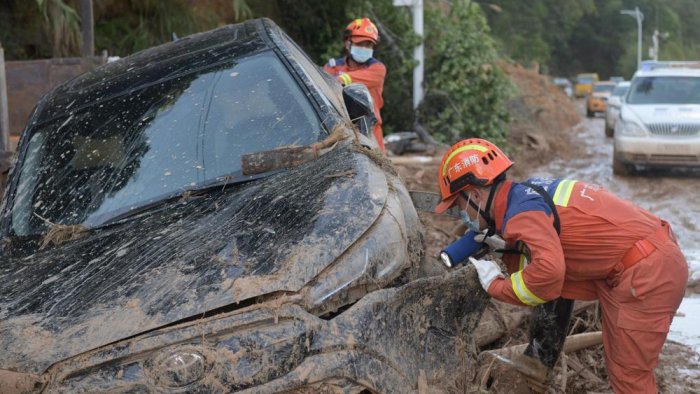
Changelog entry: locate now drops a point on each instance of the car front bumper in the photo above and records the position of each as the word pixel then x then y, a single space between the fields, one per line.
pixel 658 151
pixel 383 343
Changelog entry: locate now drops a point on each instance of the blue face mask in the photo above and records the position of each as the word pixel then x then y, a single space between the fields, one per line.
pixel 472 224
pixel 360 54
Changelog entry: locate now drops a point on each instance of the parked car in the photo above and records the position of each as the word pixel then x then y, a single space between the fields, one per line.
pixel 659 123
pixel 612 109
pixel 617 79
pixel 565 86
pixel 584 84
pixel 596 101
pixel 165 230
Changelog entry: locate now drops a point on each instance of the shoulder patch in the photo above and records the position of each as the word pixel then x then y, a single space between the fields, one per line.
pixel 372 61
pixel 523 199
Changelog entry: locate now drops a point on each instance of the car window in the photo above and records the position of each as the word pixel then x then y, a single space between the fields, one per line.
pixel 665 90
pixel 619 90
pixel 316 74
pixel 139 147
pixel 603 88
pixel 585 80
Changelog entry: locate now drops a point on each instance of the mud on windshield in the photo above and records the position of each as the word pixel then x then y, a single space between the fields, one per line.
pixel 152 142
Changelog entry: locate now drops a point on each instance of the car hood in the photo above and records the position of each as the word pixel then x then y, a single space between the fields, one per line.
pixel 182 260
pixel 663 113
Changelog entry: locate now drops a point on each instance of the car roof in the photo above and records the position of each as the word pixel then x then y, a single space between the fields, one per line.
pixel 153 65
pixel 669 72
pixel 624 83
pixel 605 83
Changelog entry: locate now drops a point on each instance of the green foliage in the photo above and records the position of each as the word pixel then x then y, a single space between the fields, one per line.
pixel 22 35
pixel 465 91
pixel 61 27
pixel 572 36
pixel 134 25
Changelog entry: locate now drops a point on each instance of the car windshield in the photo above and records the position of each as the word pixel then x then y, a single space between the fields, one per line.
pixel 620 90
pixel 665 90
pixel 585 80
pixel 151 143
pixel 603 88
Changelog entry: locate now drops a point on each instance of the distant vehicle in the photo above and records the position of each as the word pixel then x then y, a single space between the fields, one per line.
pixel 584 83
pixel 659 123
pixel 599 96
pixel 617 79
pixel 612 110
pixel 565 85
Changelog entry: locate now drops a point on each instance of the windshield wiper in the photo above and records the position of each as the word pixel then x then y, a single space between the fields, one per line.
pixel 184 195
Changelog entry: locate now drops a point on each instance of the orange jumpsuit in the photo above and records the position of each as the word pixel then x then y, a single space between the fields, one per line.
pixel 371 74
pixel 601 234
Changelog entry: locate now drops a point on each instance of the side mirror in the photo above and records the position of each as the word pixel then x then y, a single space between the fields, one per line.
pixel 360 107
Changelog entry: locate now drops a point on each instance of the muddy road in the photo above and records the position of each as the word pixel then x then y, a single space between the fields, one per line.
pixel 671 196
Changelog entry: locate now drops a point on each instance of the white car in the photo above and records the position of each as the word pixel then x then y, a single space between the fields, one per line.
pixel 612 110
pixel 659 123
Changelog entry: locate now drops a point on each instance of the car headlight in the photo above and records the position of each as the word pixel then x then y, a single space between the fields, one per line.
pixel 630 129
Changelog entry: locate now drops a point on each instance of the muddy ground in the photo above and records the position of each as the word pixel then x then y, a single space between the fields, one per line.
pixel 550 136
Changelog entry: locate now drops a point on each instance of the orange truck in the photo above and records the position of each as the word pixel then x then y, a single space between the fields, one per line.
pixel 597 100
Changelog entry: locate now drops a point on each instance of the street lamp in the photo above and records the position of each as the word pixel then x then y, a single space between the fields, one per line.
pixel 640 17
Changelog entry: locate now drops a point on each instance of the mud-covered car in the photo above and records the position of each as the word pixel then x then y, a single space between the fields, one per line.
pixel 203 216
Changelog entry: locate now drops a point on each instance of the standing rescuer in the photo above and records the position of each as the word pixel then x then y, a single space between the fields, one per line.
pixel 360 38
pixel 570 240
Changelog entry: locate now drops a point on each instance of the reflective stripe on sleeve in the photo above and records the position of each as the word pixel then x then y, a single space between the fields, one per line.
pixel 345 79
pixel 563 192
pixel 521 291
pixel 523 262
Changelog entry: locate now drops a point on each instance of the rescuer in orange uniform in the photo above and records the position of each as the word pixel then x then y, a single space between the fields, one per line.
pixel 360 38
pixel 571 240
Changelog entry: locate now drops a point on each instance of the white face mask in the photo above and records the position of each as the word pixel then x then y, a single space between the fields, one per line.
pixel 472 224
pixel 360 54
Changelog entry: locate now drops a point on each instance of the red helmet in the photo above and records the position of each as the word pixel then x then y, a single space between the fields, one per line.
pixel 468 163
pixel 361 30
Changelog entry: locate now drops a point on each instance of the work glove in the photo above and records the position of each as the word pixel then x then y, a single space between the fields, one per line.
pixel 488 271
pixel 495 242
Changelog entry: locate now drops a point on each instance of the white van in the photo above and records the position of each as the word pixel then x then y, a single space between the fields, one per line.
pixel 659 123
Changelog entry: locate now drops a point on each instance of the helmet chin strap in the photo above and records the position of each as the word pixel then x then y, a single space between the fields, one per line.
pixel 490 222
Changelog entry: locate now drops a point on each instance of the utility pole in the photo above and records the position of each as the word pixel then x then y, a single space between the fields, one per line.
pixel 4 113
pixel 640 18
pixel 418 54
pixel 87 27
